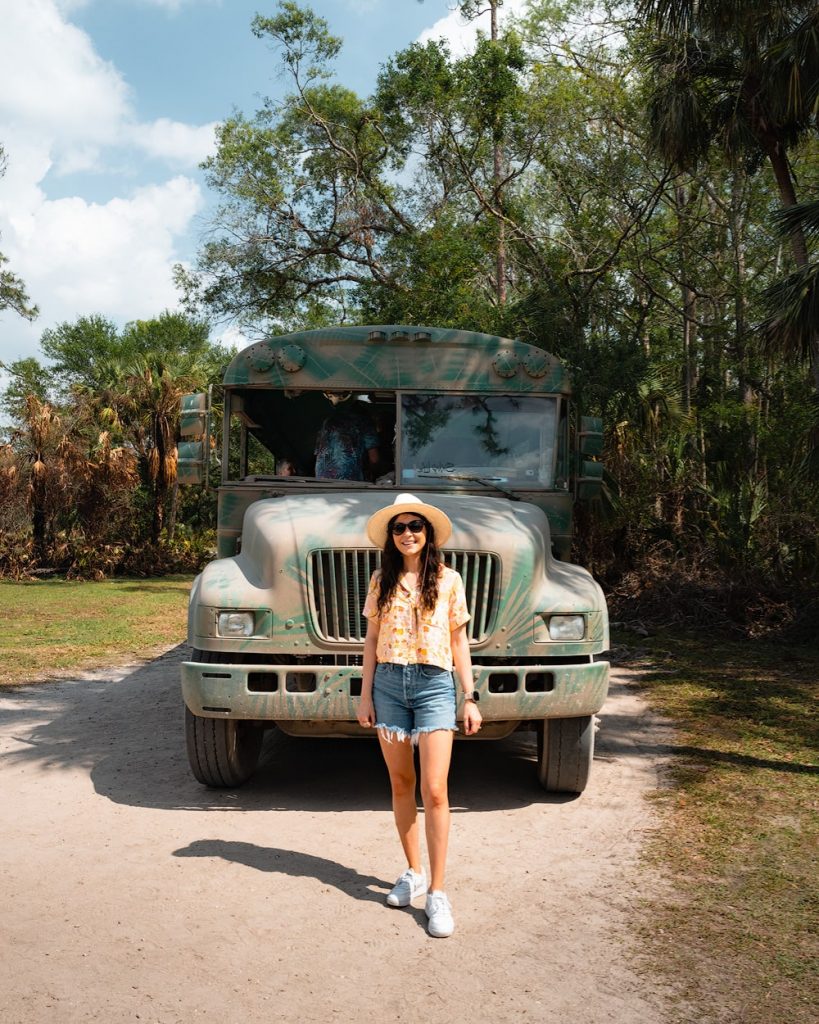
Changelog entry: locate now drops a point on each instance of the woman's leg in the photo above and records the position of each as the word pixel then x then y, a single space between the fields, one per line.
pixel 400 760
pixel 436 753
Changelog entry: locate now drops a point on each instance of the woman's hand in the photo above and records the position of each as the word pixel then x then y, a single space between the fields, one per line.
pixel 366 709
pixel 366 712
pixel 472 718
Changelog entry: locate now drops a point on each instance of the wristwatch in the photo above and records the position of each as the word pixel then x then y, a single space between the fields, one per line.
pixel 474 697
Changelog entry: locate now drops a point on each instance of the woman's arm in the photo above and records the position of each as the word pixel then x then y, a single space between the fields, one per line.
pixel 463 671
pixel 366 710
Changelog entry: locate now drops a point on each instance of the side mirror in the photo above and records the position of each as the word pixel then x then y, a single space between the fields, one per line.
pixel 589 481
pixel 590 436
pixel 193 415
pixel 192 456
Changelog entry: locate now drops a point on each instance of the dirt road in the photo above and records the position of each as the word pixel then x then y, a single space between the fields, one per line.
pixel 128 892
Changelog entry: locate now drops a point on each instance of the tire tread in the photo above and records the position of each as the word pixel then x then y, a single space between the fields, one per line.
pixel 222 752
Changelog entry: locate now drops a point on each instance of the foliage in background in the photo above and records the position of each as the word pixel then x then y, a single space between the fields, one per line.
pixel 605 181
pixel 623 169
pixel 88 470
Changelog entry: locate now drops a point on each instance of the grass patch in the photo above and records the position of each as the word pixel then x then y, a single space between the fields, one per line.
pixel 49 627
pixel 734 930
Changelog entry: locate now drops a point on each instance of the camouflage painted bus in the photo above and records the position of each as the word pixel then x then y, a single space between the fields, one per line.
pixel 479 425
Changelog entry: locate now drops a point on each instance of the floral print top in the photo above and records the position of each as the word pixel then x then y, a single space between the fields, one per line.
pixel 411 635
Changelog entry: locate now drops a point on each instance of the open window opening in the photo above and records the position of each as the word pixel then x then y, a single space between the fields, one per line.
pixel 328 435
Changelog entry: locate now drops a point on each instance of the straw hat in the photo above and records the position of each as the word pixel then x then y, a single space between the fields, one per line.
pixel 377 523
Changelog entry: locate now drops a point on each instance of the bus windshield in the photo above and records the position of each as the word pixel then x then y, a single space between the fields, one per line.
pixel 497 438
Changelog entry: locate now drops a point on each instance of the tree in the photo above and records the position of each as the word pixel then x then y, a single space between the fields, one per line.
pixel 92 353
pixel 150 414
pixel 745 77
pixel 130 383
pixel 27 377
pixel 71 478
pixel 87 352
pixel 321 191
pixel 472 9
pixel 532 153
pixel 308 202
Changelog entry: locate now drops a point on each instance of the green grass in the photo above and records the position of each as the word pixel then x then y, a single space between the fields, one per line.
pixel 733 931
pixel 52 626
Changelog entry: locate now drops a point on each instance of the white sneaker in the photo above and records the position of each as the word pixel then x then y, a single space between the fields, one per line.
pixel 441 922
pixel 408 886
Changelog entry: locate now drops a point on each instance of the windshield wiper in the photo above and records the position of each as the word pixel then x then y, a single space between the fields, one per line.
pixel 487 481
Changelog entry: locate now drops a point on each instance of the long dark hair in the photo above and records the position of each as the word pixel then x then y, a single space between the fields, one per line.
pixel 392 563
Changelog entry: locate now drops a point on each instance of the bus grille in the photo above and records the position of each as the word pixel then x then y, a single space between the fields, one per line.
pixel 339 580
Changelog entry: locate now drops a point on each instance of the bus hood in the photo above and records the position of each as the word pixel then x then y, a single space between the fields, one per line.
pixel 280 533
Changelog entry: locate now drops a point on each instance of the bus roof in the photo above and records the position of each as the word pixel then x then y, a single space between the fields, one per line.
pixel 398 356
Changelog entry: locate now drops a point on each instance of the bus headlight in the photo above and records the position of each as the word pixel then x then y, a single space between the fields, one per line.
pixel 235 623
pixel 567 627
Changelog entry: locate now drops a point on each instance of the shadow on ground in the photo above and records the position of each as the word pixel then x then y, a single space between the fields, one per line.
pixel 292 863
pixel 126 729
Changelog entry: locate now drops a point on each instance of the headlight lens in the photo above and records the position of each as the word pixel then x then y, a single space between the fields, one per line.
pixel 235 624
pixel 567 627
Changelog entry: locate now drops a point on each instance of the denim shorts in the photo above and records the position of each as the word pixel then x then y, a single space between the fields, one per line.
pixel 411 699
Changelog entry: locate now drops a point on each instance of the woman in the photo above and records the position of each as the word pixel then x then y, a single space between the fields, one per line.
pixel 416 630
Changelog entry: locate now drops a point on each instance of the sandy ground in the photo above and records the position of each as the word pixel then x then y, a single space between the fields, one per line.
pixel 129 892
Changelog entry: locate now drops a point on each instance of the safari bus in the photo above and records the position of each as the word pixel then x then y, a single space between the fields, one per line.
pixel 481 426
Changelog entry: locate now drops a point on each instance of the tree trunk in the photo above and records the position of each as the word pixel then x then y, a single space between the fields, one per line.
pixel 500 259
pixel 158 513
pixel 38 522
pixel 497 161
pixel 787 193
pixel 737 222
pixel 172 511
pixel 689 304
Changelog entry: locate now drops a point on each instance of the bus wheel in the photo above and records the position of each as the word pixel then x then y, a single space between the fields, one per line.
pixel 565 748
pixel 222 752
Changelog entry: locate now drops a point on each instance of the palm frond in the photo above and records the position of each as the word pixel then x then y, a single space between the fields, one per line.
pixel 792 324
pixel 802 215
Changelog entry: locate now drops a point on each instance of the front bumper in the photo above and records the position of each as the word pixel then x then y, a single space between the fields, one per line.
pixel 322 693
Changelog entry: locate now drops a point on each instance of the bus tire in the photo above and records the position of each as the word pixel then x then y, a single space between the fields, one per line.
pixel 222 752
pixel 565 749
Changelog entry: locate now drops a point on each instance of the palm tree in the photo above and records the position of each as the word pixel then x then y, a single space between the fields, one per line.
pixel 793 302
pixel 135 392
pixel 66 472
pixel 151 416
pixel 744 76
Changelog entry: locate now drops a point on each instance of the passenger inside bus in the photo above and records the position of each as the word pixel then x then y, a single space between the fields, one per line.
pixel 347 442
pixel 306 433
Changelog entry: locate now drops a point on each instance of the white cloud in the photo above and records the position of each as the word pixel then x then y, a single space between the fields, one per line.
pixel 58 89
pixel 63 109
pixel 114 258
pixel 53 81
pixel 460 34
pixel 67 6
pixel 232 337
pixel 179 143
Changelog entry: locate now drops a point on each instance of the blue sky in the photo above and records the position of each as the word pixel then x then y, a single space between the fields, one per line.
pixel 107 107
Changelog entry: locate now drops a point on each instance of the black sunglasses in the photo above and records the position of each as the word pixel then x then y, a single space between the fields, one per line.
pixel 416 526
